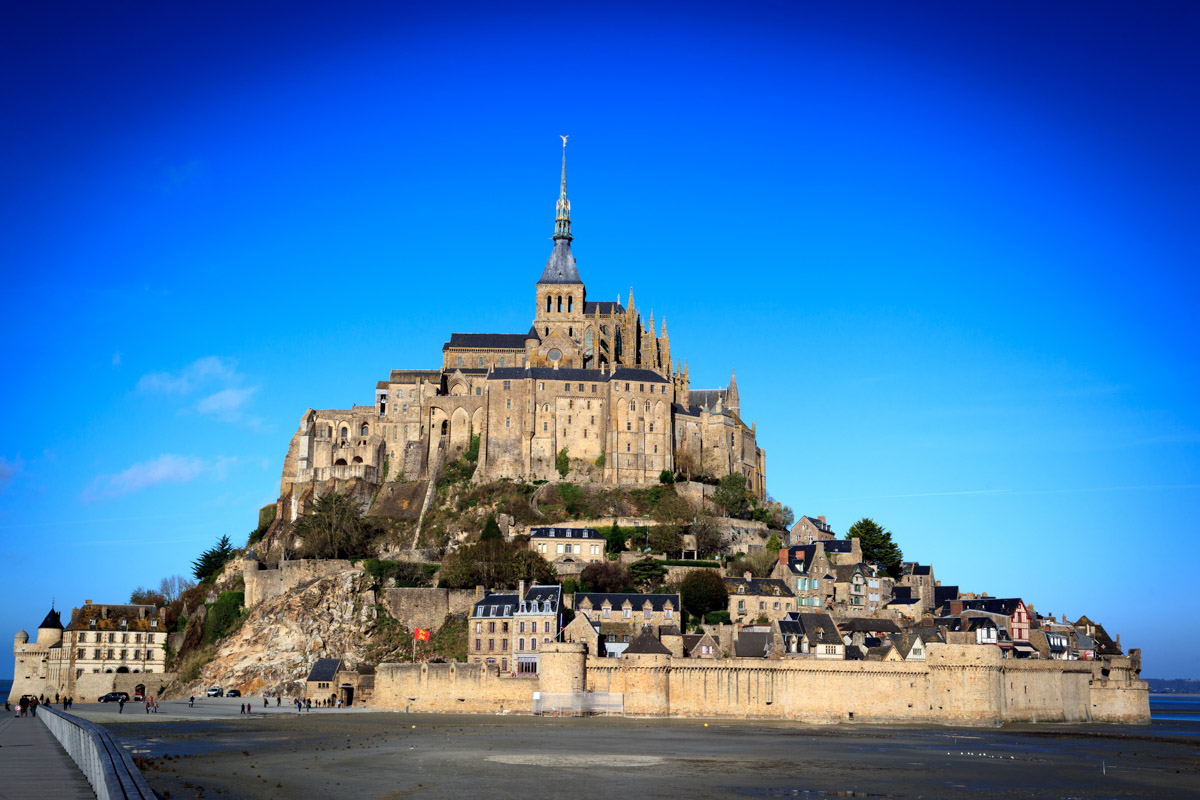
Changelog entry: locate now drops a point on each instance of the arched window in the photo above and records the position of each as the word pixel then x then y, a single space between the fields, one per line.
pixel 547 331
pixel 633 405
pixel 560 304
pixel 548 301
pixel 570 331
pixel 546 407
pixel 570 303
pixel 731 440
pixel 345 432
pixel 366 431
pixel 647 406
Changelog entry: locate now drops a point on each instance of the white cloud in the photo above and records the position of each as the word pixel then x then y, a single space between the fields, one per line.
pixel 226 404
pixel 202 372
pixel 167 468
pixel 226 395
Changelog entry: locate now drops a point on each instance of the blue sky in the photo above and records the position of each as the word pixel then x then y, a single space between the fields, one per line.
pixel 949 248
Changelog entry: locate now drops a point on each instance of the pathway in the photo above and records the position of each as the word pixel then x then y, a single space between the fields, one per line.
pixel 34 765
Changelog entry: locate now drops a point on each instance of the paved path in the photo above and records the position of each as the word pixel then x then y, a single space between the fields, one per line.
pixel 34 765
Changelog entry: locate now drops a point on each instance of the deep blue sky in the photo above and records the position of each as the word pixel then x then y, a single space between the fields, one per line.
pixel 950 248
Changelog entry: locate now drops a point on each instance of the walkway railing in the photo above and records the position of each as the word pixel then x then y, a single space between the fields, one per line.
pixel 105 764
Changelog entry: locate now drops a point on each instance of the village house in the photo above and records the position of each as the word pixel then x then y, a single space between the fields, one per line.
pixel 806 634
pixel 568 545
pixel 507 629
pixel 753 598
pixel 808 574
pixel 623 616
pixel 811 529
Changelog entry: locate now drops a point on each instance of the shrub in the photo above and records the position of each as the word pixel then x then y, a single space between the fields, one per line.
pixel 600 461
pixel 717 618
pixel 223 616
pixel 666 476
pixel 562 462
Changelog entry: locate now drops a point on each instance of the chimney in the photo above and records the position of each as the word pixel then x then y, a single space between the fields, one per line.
pixel 479 593
pixel 520 590
pixel 822 518
pixel 783 555
pixel 956 607
pixel 747 574
pixel 87 602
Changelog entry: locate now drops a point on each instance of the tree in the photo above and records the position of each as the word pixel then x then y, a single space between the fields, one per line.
pixel 730 494
pixel 710 539
pixel 666 476
pixel 211 560
pixel 495 564
pixel 615 539
pixel 604 576
pixel 491 529
pixel 172 586
pixel 646 573
pixel 760 563
pixel 334 527
pixel 877 545
pixel 773 544
pixel 562 462
pixel 703 591
pixel 666 539
pixel 147 597
pixel 779 516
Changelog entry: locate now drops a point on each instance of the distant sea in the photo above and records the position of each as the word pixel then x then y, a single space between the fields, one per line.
pixel 5 688
pixel 1177 708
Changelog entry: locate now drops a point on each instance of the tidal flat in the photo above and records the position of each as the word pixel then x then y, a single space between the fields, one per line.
pixel 217 752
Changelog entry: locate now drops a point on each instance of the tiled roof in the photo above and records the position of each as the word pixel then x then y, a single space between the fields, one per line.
pixel 323 669
pixel 771 587
pixel 486 341
pixel 81 619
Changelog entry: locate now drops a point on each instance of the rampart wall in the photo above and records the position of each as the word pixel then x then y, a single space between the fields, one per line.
pixel 957 684
pixel 427 608
pixel 265 584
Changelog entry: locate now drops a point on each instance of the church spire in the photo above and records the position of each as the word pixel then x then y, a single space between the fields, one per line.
pixel 562 217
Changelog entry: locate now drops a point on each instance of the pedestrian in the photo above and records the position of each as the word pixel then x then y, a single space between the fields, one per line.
pixel 155 706
pixel 71 701
pixel 56 697
pixel 242 708
pixel 297 705
pixel 121 705
pixel 147 706
pixel 22 707
pixel 264 701
pixel 192 701
pixel 33 704
pixel 278 701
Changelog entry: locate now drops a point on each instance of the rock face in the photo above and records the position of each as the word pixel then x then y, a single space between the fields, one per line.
pixel 274 649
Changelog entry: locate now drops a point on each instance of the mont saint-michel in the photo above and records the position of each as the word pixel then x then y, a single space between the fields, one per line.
pixel 555 522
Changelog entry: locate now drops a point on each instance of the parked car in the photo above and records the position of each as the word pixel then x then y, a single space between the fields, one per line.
pixel 233 693
pixel 216 691
pixel 115 697
pixel 138 696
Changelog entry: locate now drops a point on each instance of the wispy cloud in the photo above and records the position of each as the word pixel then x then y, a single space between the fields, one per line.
pixel 8 471
pixel 167 468
pixel 226 395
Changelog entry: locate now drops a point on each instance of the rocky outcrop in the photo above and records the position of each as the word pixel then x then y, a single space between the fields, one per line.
pixel 274 649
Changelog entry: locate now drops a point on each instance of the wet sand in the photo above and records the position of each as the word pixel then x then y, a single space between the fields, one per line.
pixel 213 751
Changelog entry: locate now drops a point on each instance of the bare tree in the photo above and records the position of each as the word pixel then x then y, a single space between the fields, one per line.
pixel 172 587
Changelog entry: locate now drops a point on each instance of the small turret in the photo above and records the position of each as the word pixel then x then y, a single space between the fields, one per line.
pixel 21 638
pixel 731 395
pixel 50 632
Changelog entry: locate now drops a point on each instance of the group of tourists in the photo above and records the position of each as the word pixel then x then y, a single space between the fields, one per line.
pixel 27 706
pixel 151 705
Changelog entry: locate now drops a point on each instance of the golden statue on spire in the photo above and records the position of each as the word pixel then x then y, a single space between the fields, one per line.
pixel 564 138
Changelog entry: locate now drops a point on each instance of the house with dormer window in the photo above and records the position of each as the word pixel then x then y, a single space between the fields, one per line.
pixel 623 616
pixel 752 598
pixel 508 629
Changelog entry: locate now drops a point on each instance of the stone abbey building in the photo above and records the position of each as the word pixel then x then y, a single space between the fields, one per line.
pixel 591 377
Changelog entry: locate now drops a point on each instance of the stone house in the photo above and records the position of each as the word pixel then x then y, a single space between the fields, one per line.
pixel 701 645
pixel 808 573
pixel 811 529
pixel 808 634
pixel 506 629
pixel 321 684
pixel 568 545
pixel 753 598
pixel 623 616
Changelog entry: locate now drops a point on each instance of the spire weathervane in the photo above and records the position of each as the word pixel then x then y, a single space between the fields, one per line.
pixel 562 216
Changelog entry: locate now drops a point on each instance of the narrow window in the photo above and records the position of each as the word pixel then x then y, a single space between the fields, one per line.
pixel 570 302
pixel 548 308
pixel 560 304
pixel 501 361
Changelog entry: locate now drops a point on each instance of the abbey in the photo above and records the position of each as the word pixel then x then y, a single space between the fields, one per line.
pixel 591 378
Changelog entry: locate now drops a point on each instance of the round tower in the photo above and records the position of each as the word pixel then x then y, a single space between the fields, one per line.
pixel 50 632
pixel 21 638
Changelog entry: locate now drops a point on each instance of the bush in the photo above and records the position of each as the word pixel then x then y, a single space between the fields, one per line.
pixel 717 618
pixel 223 616
pixel 666 476
pixel 600 461
pixel 562 462
pixel 703 591
pixel 266 515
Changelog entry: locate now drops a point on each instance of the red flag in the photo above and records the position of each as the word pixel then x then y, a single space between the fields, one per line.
pixel 421 635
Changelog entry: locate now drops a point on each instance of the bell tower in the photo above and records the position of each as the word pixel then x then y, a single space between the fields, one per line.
pixel 560 291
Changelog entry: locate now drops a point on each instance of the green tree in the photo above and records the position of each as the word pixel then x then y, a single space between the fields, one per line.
pixel 773 544
pixel 647 573
pixel 877 545
pixel 334 527
pixel 491 529
pixel 615 539
pixel 703 591
pixel 562 462
pixel 730 494
pixel 666 476
pixel 666 539
pixel 211 560
pixel 142 596
pixel 779 516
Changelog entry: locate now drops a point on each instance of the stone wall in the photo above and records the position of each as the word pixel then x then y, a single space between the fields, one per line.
pixel 265 584
pixel 426 608
pixel 461 688
pixel 90 686
pixel 960 685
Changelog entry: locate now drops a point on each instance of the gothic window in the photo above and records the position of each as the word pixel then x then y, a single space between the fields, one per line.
pixel 460 361
pixel 633 405
pixel 647 406
pixel 481 361
pixel 545 407
pixel 365 430
pixel 587 343
pixel 345 432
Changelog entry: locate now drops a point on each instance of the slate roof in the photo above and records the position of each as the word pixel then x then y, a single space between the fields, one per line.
pixel 921 569
pixel 323 669
pixel 636 374
pixel 838 546
pixel 705 397
pixel 542 594
pixel 607 307
pixel 752 644
pixel 486 341
pixel 902 595
pixel 868 625
pixel 818 627
pixel 495 605
pixel 816 523
pixel 993 605
pixel 548 374
pixel 844 573
pixel 560 267
pixel 565 533
pixel 414 375
pixel 52 620
pixel 943 595
pixel 658 602
pixel 645 643
pixel 1105 646
pixel 759 586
